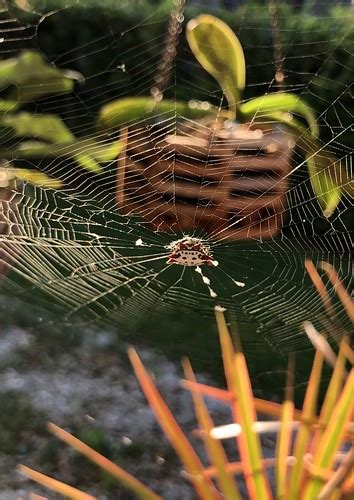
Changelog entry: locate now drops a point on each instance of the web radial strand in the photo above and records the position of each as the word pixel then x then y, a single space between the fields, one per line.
pixel 89 253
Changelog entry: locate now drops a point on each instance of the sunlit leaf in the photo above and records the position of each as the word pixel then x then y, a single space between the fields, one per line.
pixel 52 129
pixel 37 178
pixel 33 78
pixel 280 102
pixel 129 110
pixel 49 128
pixel 101 151
pixel 324 184
pixel 8 105
pixel 219 51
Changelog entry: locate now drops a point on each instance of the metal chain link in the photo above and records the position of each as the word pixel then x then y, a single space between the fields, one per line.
pixel 164 68
pixel 278 56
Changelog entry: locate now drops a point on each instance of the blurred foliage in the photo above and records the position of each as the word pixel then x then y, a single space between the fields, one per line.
pixel 97 52
pixel 317 65
pixel 26 78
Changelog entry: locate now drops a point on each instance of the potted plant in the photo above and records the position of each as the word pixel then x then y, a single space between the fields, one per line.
pixel 223 170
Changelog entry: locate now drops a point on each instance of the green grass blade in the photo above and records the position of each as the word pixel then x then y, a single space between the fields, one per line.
pixel 283 450
pixel 304 432
pixel 332 437
pixel 215 450
pixel 244 412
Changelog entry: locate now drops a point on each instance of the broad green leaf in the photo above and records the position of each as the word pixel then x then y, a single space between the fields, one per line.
pixel 37 178
pixel 49 128
pixel 280 102
pixel 219 51
pixel 8 105
pixel 33 78
pixel 99 151
pixel 9 174
pixel 129 110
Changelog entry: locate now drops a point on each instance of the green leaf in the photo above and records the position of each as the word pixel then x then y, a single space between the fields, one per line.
pixel 37 178
pixel 219 51
pixel 281 102
pixel 33 78
pixel 49 128
pixel 100 151
pixel 32 176
pixel 129 110
pixel 52 129
pixel 323 181
pixel 8 105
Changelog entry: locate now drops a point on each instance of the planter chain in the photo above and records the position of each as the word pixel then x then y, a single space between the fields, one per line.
pixel 170 50
pixel 278 56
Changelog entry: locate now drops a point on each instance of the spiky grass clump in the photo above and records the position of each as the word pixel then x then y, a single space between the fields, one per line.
pixel 314 456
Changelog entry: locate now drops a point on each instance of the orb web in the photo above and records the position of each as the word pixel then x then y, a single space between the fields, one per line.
pixel 75 250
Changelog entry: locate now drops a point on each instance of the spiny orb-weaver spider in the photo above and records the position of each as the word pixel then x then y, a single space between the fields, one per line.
pixel 190 251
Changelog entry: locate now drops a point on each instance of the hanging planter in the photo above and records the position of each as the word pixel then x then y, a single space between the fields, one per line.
pixel 228 182
pixel 210 171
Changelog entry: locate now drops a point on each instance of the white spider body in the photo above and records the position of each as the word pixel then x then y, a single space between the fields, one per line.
pixel 190 252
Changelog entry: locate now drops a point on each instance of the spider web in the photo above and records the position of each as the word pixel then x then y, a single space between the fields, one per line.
pixel 74 250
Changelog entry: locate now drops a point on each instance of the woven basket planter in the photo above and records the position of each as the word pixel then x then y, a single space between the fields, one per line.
pixel 231 183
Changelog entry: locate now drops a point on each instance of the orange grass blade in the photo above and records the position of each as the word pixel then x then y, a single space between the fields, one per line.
pixel 304 431
pixel 222 395
pixel 333 436
pixel 342 293
pixel 124 477
pixel 237 467
pixel 261 405
pixel 54 484
pixel 320 287
pixel 215 449
pixel 244 412
pixel 203 486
